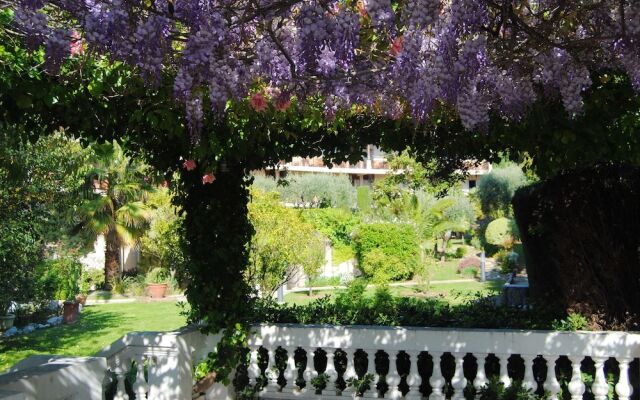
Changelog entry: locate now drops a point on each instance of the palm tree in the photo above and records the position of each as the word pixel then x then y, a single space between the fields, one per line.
pixel 438 218
pixel 115 205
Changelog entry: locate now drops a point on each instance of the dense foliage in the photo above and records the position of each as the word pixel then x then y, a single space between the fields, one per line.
pixel 572 232
pixel 387 251
pixel 496 189
pixel 36 180
pixel 312 190
pixel 283 246
pixel 160 244
pixel 354 307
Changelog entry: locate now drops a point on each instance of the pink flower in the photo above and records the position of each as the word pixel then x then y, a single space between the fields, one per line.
pixel 283 102
pixel 77 45
pixel 208 178
pixel 396 46
pixel 258 102
pixel 189 165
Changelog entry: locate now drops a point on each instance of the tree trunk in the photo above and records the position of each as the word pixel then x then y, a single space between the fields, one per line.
pixel 445 241
pixel 581 236
pixel 111 261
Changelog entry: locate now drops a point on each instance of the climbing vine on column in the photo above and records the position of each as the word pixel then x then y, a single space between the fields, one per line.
pixel 216 231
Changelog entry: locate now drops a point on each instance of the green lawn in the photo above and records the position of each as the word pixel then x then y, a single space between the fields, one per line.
pixel 446 271
pixel 99 325
pixel 452 292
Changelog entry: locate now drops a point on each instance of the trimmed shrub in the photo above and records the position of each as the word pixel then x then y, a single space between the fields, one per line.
pixel 581 233
pixel 502 232
pixel 387 250
pixel 508 261
pixel 334 223
pixel 461 252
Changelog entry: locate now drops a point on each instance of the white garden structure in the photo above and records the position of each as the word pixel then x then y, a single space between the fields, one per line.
pixel 170 359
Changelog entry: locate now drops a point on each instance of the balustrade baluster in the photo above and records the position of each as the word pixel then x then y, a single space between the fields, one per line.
pixel 504 372
pixel 310 371
pixel 437 380
pixel 372 393
pixel 254 369
pixel 272 372
pixel 350 371
pixel 120 371
pixel 481 376
pixel 576 386
pixel 393 378
pixel 458 382
pixel 551 383
pixel 414 379
pixel 140 387
pixel 529 381
pixel 623 387
pixel 331 371
pixel 291 372
pixel 599 388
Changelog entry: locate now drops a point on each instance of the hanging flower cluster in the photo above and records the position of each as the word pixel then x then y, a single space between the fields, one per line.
pixel 475 56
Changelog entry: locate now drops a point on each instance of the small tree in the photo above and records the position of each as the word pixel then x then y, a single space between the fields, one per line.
pixel 115 207
pixel 282 243
pixel 440 218
pixel 160 245
pixel 496 189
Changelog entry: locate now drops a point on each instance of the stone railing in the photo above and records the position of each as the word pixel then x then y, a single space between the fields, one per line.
pixel 407 363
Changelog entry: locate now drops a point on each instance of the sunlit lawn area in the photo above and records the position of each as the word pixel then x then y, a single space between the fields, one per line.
pixel 99 325
pixel 451 292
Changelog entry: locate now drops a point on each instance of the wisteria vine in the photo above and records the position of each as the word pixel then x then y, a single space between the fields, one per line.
pixel 398 58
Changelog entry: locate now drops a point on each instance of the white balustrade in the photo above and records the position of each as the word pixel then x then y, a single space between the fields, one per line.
pixel 393 378
pixel 437 380
pixel 528 381
pixel 551 383
pixel 458 382
pixel 623 387
pixel 481 377
pixel 163 362
pixel 310 372
pixel 414 379
pixel 372 393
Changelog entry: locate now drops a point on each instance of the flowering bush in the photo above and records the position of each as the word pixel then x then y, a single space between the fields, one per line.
pixel 469 262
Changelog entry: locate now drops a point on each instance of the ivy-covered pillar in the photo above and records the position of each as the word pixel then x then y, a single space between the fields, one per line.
pixel 216 232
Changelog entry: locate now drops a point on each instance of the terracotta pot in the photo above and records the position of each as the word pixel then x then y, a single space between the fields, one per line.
pixel 157 290
pixel 6 321
pixel 70 312
pixel 81 298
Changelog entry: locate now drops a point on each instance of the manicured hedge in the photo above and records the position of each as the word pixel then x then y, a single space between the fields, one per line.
pixel 387 250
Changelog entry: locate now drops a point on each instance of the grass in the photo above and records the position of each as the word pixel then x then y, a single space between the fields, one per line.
pixel 447 270
pixel 98 326
pixel 454 293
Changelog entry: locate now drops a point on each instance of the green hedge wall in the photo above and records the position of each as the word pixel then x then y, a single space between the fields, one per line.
pixel 387 250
